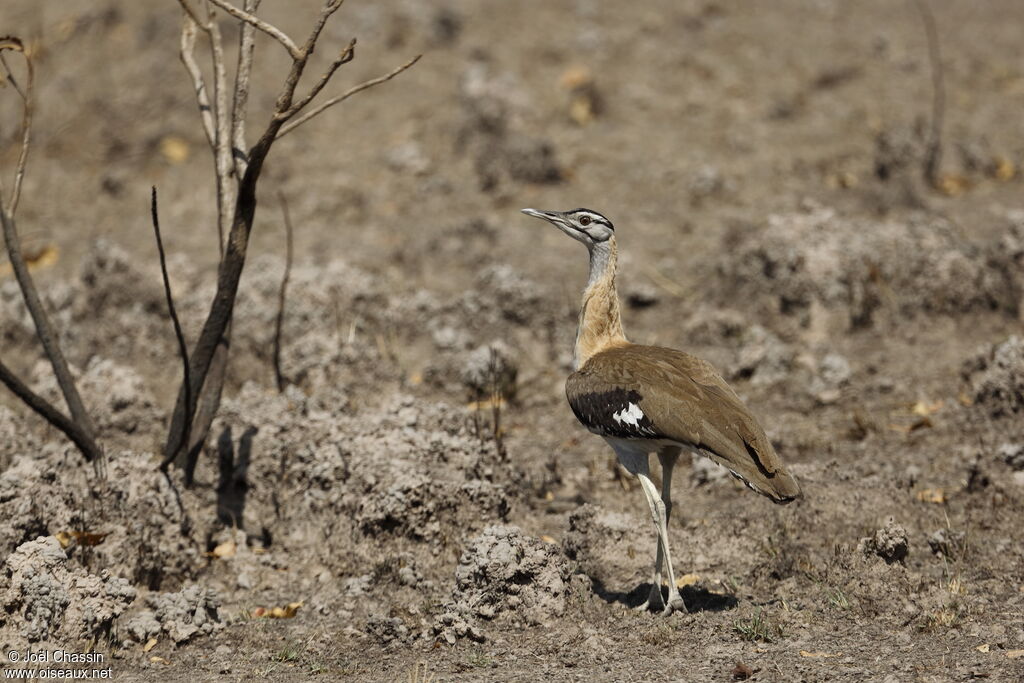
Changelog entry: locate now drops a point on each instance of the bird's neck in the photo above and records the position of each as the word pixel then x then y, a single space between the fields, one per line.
pixel 600 325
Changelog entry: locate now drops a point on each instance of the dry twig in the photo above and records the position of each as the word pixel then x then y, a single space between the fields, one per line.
pixel 345 95
pixel 933 151
pixel 79 427
pixel 254 21
pixel 182 346
pixel 282 294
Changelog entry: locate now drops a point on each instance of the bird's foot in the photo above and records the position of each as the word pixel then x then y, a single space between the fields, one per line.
pixel 675 604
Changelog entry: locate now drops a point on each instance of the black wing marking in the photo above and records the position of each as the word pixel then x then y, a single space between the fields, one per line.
pixel 615 412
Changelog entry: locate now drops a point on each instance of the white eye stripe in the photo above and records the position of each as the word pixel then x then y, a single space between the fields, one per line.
pixel 584 215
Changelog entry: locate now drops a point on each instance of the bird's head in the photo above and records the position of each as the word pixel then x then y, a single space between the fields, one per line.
pixel 583 225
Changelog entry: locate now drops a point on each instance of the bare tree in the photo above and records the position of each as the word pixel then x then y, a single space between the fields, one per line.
pixel 78 427
pixel 238 169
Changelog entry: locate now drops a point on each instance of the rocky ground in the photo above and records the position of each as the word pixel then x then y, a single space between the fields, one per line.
pixel 384 518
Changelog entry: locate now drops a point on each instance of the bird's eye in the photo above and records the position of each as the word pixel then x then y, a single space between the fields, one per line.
pixel 584 220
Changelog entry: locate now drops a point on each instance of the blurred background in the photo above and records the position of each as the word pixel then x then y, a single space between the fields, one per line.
pixel 764 166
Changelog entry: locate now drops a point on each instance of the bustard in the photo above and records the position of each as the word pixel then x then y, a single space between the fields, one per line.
pixel 650 399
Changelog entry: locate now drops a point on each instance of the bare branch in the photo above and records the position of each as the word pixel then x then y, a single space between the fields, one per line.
pixel 246 43
pixel 223 166
pixel 193 15
pixel 345 57
pixel 272 31
pixel 329 8
pixel 208 405
pixel 933 150
pixel 295 123
pixel 188 58
pixel 282 293
pixel 44 329
pixel 182 346
pixel 10 75
pixel 78 436
pixel 15 44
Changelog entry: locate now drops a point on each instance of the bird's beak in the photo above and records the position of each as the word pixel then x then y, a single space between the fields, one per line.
pixel 556 218
pixel 546 215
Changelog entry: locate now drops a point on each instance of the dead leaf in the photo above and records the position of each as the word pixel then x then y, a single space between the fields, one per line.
pixel 158 660
pixel 844 180
pixel 581 109
pixel 982 648
pixel 917 424
pixel 1003 169
pixel 174 149
pixel 40 257
pixel 575 77
pixel 741 672
pixel 65 538
pixel 11 43
pixel 548 539
pixel 937 496
pixel 1014 654
pixel 87 538
pixel 487 404
pixel 924 409
pixel 817 655
pixel 687 580
pixel 150 644
pixel 224 551
pixel 965 399
pixel 953 185
pixel 287 612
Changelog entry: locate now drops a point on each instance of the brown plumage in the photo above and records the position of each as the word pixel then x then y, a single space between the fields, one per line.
pixel 687 402
pixel 649 399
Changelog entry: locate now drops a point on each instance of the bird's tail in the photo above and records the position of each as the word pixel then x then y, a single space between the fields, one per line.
pixel 777 484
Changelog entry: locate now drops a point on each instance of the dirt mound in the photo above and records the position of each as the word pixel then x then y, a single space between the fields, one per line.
pixel 406 468
pixel 181 616
pixel 136 523
pixel 845 273
pixel 597 539
pixel 489 370
pixel 996 377
pixel 117 397
pixel 505 571
pixel 43 599
pixel 889 543
pixel 14 437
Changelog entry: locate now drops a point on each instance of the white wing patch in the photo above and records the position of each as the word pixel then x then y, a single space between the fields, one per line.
pixel 630 415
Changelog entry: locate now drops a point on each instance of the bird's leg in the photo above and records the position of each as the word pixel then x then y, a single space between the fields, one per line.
pixel 654 599
pixel 658 513
pixel 668 457
pixel 635 460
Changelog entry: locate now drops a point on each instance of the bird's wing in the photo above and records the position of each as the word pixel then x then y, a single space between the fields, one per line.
pixel 658 393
